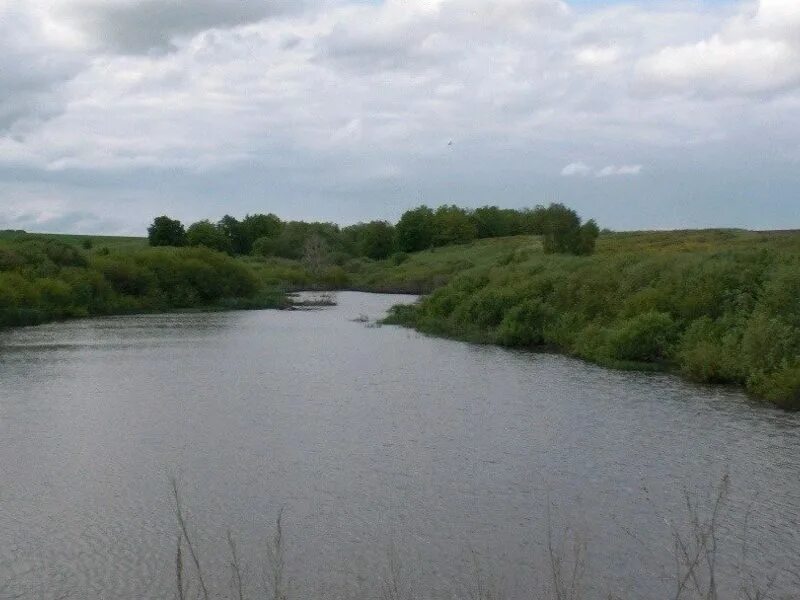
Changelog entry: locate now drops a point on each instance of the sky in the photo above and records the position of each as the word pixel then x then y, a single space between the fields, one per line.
pixel 640 114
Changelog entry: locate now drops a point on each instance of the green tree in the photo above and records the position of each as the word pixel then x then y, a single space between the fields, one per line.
pixel 561 229
pixel 531 221
pixel 587 238
pixel 238 240
pixel 563 232
pixel 374 239
pixel 491 221
pixel 416 229
pixel 453 226
pixel 206 233
pixel 258 226
pixel 166 232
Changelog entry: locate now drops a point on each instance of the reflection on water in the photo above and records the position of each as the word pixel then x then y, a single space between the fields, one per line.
pixel 372 438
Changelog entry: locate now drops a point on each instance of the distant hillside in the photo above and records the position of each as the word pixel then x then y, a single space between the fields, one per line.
pixel 109 241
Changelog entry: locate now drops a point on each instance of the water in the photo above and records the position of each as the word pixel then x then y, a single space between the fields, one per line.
pixel 378 443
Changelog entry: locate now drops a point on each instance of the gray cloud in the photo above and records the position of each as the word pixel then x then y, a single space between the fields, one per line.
pixel 344 111
pixel 32 68
pixel 141 26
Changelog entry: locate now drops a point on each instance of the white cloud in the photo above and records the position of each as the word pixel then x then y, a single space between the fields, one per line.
pixel 580 169
pixel 613 170
pixel 597 55
pixel 751 54
pixel 576 168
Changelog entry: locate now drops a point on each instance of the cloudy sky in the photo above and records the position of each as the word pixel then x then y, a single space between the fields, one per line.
pixel 642 114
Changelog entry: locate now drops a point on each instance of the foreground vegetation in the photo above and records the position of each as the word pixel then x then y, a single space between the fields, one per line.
pixel 703 556
pixel 695 550
pixel 45 278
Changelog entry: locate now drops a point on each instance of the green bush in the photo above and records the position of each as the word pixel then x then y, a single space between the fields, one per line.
pixel 707 353
pixel 524 324
pixel 767 341
pixel 648 337
pixel 46 279
pixel 484 309
pixel 781 387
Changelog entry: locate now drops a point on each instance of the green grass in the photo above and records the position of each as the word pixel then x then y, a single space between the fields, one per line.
pixel 423 272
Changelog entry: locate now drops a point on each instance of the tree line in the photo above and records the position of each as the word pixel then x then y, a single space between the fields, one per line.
pixel 418 229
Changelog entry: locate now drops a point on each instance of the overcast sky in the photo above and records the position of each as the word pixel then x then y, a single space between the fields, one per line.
pixel 641 114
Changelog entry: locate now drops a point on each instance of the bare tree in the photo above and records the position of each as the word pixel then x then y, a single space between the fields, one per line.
pixel 315 254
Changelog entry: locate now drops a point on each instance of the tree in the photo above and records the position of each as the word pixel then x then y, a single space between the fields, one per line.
pixel 564 234
pixel 587 237
pixel 166 232
pixel 374 239
pixel 491 221
pixel 235 232
pixel 453 226
pixel 205 233
pixel 561 230
pixel 416 229
pixel 258 226
pixel 315 253
pixel 532 221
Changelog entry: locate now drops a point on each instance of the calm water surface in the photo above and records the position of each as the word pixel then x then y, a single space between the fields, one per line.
pixel 377 442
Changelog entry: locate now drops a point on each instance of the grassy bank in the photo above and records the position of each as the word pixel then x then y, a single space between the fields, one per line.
pixel 717 306
pixel 45 278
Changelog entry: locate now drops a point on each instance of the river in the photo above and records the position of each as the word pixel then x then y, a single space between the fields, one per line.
pixel 382 446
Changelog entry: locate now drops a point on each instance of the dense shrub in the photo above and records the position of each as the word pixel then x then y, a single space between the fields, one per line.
pixel 707 352
pixel 647 337
pixel 524 324
pixel 44 279
pixel 719 307
pixel 484 309
pixel 782 386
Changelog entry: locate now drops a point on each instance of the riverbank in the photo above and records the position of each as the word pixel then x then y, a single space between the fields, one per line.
pixel 715 306
pixel 44 279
